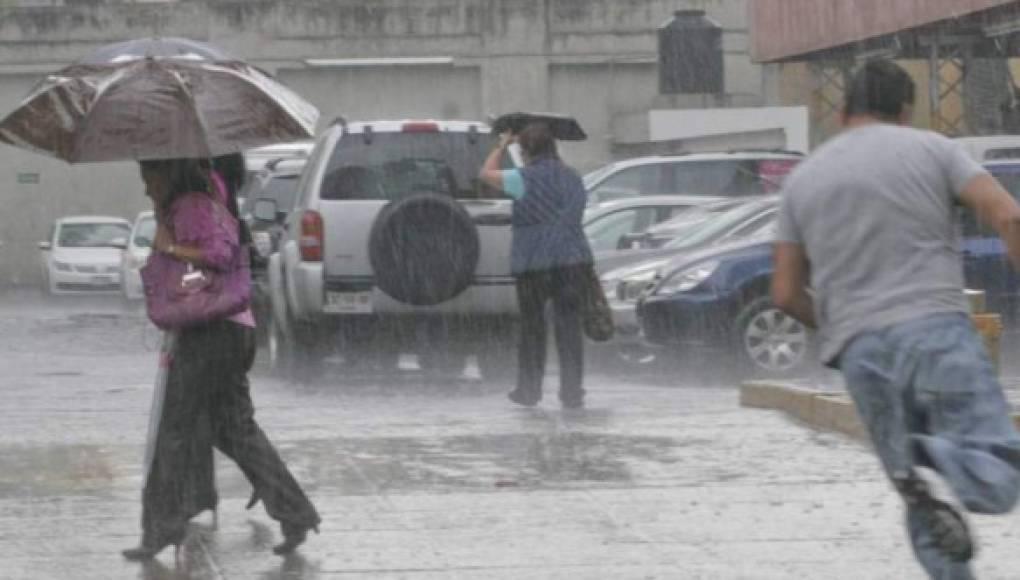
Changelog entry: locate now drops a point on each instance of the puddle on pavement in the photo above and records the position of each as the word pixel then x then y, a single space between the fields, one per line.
pixel 55 470
pixel 551 458
pixel 531 460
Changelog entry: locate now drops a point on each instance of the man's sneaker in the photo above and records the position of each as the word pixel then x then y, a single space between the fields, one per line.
pixel 947 526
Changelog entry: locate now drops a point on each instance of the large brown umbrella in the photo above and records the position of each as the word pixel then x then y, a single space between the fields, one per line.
pixel 126 102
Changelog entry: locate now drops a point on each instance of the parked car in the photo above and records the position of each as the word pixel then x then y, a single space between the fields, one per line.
pixel 986 264
pixel 626 285
pixel 991 147
pixel 733 174
pixel 610 225
pixel 83 254
pixel 695 228
pixel 395 246
pixel 135 255
pixel 269 197
pixel 257 159
pixel 720 298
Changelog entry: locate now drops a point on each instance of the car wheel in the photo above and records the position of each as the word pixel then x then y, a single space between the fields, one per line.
pixel 424 249
pixel 495 364
pixel 295 350
pixel 769 341
pixel 442 360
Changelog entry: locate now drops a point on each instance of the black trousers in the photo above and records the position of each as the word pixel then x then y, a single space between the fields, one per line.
pixel 564 287
pixel 208 404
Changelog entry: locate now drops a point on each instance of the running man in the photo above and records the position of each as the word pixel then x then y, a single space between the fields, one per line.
pixel 869 224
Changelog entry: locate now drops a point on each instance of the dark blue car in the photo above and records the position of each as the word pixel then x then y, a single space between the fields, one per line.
pixel 720 296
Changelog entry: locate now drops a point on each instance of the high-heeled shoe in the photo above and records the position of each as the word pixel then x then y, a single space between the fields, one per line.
pixel 293 536
pixel 148 551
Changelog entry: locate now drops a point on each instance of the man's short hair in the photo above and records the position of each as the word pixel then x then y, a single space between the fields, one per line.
pixel 880 88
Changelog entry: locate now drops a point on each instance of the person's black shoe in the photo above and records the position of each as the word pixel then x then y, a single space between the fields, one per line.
pixel 293 536
pixel 571 405
pixel 149 549
pixel 947 526
pixel 522 399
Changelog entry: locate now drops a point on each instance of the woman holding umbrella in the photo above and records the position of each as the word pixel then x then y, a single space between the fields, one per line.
pixel 207 399
pixel 550 259
pixel 175 101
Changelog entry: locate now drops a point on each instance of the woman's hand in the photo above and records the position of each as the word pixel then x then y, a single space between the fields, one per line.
pixel 164 239
pixel 505 139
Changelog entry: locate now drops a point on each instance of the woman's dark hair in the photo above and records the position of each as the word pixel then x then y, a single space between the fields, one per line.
pixel 233 170
pixel 182 175
pixel 881 89
pixel 190 175
pixel 536 139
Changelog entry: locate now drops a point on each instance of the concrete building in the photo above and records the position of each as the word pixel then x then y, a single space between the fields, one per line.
pixel 363 59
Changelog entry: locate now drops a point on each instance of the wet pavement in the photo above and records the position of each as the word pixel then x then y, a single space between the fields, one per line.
pixel 437 477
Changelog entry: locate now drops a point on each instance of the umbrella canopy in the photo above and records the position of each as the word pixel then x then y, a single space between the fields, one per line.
pixel 563 127
pixel 156 47
pixel 133 106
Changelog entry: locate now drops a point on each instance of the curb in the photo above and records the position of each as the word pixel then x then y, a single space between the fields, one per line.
pixel 824 410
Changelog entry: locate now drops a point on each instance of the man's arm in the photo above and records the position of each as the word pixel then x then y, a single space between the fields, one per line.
pixel 994 206
pixel 790 282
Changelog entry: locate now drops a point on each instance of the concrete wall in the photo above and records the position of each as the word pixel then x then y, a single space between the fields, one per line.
pixel 593 58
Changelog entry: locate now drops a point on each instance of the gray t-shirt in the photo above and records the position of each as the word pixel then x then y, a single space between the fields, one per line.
pixel 874 209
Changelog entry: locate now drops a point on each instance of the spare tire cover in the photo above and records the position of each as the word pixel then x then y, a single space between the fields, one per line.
pixel 423 249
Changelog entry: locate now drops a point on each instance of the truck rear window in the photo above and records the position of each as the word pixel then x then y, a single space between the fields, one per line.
pixel 391 166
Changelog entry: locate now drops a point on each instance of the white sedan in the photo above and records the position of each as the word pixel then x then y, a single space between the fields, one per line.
pixel 136 254
pixel 83 254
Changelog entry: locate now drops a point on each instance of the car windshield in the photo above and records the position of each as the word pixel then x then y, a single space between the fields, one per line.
pixel 92 235
pixel 280 188
pixel 686 221
pixel 715 227
pixel 392 166
pixel 145 233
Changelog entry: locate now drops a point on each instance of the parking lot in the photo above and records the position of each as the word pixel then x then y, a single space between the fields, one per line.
pixel 428 476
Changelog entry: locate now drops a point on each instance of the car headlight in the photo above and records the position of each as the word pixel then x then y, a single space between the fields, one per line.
pixel 632 288
pixel 688 279
pixel 61 267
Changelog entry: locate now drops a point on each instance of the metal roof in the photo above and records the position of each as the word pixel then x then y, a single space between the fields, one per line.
pixel 785 30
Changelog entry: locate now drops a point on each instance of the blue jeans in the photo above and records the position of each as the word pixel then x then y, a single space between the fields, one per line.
pixel 929 397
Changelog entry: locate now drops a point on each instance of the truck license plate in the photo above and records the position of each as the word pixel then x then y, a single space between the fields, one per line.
pixel 349 302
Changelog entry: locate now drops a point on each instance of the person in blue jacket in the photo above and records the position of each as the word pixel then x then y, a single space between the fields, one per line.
pixel 549 259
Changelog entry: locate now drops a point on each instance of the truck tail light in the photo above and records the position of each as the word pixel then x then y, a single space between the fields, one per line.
pixel 311 236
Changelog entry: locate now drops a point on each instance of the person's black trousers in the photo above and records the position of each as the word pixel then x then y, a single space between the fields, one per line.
pixel 208 404
pixel 564 287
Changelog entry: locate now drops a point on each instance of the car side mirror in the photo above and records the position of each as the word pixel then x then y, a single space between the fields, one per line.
pixel 143 242
pixel 265 210
pixel 45 246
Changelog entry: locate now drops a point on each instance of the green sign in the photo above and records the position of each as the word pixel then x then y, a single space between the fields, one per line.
pixel 28 178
